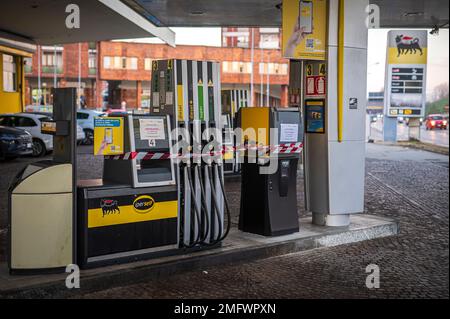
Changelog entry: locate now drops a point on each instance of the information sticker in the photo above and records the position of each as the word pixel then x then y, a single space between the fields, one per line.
pixel 152 129
pixel 289 133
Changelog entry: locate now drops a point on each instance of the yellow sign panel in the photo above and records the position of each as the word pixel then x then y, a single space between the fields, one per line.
pixel 407 112
pixel 412 58
pixel 180 103
pixel 108 136
pixel 130 214
pixel 304 29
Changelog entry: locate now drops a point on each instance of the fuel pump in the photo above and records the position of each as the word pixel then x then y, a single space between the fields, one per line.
pixel 189 92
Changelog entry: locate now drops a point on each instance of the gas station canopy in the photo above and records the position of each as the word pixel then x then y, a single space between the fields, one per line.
pixel 393 13
pixel 43 21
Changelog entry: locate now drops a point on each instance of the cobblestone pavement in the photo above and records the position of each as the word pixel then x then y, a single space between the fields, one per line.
pixel 413 264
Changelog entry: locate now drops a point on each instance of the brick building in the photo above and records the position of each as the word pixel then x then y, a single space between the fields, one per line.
pixel 112 72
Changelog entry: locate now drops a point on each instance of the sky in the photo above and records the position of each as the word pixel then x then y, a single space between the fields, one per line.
pixel 438 53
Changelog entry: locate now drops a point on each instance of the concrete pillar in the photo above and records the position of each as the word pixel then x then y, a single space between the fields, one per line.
pixel 284 96
pixel 389 129
pixel 414 129
pixel 138 94
pixel 335 161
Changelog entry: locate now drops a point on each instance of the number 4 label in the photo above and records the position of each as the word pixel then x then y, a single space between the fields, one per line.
pixel 322 69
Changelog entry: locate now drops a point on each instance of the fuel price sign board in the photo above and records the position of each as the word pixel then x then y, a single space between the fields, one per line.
pixel 405 93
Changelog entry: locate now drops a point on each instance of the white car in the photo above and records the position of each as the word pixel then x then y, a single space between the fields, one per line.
pixel 81 136
pixel 85 118
pixel 30 122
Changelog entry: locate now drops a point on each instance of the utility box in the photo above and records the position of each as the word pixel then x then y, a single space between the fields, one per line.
pixel 42 228
pixel 269 180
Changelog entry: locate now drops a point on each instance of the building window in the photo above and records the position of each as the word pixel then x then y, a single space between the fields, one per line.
pixel 239 38
pixel 107 62
pixel 269 41
pixel 242 41
pixel 92 62
pixel 120 63
pixel 148 64
pixel 9 73
pixel 237 67
pixel 132 64
pixel 273 68
pixel 52 60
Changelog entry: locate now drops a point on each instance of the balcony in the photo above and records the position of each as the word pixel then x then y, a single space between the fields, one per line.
pixel 28 69
pixel 51 69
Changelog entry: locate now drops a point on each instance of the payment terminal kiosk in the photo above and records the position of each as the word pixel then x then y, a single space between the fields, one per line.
pixel 269 176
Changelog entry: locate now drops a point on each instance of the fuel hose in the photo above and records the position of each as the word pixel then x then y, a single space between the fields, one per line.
pixel 187 173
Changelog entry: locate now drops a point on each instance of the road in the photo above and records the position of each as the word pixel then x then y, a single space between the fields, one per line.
pixel 436 137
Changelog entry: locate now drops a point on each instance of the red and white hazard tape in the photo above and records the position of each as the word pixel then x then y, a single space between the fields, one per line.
pixel 294 148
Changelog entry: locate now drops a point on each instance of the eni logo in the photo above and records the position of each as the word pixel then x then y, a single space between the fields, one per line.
pixel 143 204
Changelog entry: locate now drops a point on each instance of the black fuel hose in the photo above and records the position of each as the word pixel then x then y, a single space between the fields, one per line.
pixel 216 207
pixel 204 205
pixel 221 236
pixel 222 185
pixel 187 172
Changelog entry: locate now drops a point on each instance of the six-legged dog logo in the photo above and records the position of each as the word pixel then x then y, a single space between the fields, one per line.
pixel 407 45
pixel 109 207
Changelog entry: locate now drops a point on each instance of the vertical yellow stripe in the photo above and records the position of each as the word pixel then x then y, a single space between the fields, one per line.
pixel 341 70
pixel 180 106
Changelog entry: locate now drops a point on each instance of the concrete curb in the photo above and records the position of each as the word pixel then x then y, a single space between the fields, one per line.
pixel 418 146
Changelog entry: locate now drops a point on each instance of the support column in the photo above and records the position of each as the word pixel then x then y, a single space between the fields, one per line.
pixel 284 96
pixel 414 129
pixel 335 161
pixel 389 129
pixel 138 94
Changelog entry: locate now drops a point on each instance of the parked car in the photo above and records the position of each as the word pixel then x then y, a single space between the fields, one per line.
pixel 42 143
pixel 433 121
pixel 14 143
pixel 85 118
pixel 81 136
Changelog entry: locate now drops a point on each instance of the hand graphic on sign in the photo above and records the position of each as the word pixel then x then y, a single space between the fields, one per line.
pixel 102 148
pixel 297 36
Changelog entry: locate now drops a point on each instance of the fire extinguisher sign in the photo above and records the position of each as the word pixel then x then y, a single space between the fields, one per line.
pixel 315 86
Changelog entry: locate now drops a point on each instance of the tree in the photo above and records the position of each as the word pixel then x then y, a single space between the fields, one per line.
pixel 440 92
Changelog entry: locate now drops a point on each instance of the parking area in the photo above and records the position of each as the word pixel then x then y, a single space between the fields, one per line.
pixel 410 186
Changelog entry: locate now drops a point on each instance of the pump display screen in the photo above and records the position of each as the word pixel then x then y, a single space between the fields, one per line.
pixel 315 116
pixel 151 132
